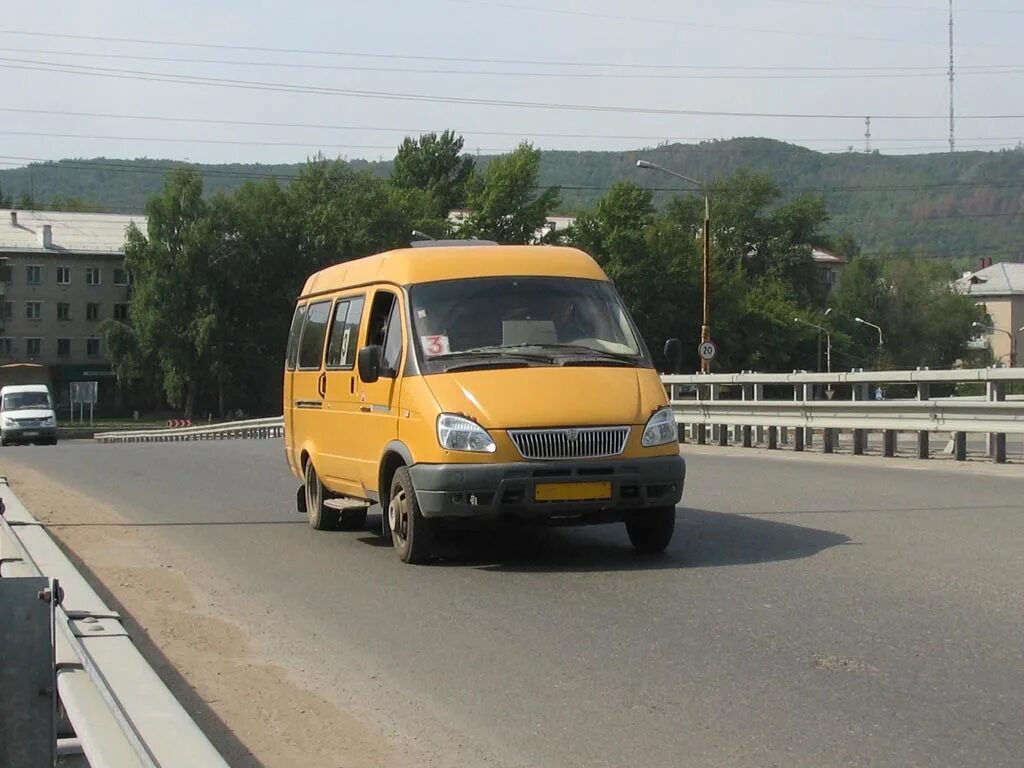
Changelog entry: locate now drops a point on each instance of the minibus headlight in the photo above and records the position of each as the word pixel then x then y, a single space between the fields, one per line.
pixel 456 433
pixel 50 421
pixel 660 429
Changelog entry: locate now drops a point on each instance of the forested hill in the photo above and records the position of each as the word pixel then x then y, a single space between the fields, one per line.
pixel 961 206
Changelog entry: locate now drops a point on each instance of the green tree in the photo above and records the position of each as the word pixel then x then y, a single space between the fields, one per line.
pixel 256 282
pixel 651 263
pixel 435 164
pixel 6 201
pixel 27 202
pixel 504 203
pixel 173 309
pixel 924 320
pixel 343 214
pixel 77 204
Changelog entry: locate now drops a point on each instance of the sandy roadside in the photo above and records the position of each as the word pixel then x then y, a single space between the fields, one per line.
pixel 255 712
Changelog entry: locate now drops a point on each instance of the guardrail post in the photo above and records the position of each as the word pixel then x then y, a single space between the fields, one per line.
pixel 804 393
pixel 27 684
pixel 747 393
pixel 859 441
pixel 773 438
pixel 923 391
pixel 758 397
pixel 716 429
pixel 702 433
pixel 723 435
pixel 997 441
pixel 960 446
pixel 828 440
pixel 889 443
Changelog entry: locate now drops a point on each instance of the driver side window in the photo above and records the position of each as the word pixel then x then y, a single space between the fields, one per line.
pixel 385 330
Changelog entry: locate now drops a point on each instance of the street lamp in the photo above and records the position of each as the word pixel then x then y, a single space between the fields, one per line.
pixel 828 341
pixel 705 328
pixel 862 321
pixel 1013 341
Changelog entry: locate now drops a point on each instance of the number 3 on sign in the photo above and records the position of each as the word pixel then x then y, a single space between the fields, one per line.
pixel 435 345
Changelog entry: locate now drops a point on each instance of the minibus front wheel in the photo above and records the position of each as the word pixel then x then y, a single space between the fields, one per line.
pixel 650 530
pixel 411 533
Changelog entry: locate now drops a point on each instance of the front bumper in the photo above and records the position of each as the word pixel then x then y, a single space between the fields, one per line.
pixel 29 434
pixel 494 490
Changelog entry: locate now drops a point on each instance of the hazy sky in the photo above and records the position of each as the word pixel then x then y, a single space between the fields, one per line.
pixel 813 60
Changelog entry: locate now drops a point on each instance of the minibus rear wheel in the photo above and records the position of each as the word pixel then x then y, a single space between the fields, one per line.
pixel 650 530
pixel 321 518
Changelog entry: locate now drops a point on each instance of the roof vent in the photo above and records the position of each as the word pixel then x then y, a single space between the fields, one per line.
pixel 46 236
pixel 448 243
pixel 14 218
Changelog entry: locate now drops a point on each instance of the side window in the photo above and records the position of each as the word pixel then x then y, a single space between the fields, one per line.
pixel 384 308
pixel 311 343
pixel 341 350
pixel 393 345
pixel 293 336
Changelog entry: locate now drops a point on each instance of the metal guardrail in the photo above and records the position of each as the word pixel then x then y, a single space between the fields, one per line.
pixel 122 714
pixel 712 401
pixel 232 430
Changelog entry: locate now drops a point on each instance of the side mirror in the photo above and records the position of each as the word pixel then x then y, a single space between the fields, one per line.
pixel 674 354
pixel 369 363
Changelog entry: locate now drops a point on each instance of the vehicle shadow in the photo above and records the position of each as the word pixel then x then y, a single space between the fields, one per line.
pixel 703 539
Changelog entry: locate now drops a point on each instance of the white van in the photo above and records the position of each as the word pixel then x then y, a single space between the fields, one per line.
pixel 26 415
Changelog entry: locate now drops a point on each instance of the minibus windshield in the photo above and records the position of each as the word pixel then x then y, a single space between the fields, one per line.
pixel 531 320
pixel 23 401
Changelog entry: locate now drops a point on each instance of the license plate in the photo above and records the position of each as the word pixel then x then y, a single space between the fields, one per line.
pixel 572 491
pixel 30 434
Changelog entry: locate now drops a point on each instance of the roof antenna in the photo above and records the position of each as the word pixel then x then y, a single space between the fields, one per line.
pixel 422 235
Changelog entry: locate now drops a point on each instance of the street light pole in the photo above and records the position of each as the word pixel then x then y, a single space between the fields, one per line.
pixel 705 328
pixel 862 321
pixel 1013 340
pixel 828 341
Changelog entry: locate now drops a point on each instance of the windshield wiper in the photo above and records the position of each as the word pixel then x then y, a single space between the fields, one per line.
pixel 583 349
pixel 493 351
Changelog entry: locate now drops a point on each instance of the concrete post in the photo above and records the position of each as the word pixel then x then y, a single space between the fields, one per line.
pixel 996 391
pixel 758 397
pixel 773 438
pixel 828 440
pixel 805 393
pixel 923 392
pixel 960 446
pixel 889 443
pixel 716 429
pixel 859 435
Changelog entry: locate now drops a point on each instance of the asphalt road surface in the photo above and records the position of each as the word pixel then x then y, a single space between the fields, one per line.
pixel 820 611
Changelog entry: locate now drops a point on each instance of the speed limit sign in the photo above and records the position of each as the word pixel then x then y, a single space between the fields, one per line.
pixel 707 350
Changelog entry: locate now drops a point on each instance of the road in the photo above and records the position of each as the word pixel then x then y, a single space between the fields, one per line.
pixel 810 612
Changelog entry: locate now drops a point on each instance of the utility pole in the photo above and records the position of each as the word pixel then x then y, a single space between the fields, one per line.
pixel 952 132
pixel 867 135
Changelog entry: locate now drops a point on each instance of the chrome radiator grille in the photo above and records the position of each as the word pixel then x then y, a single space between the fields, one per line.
pixel 570 443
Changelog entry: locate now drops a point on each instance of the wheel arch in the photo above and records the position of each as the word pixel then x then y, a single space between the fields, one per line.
pixel 396 454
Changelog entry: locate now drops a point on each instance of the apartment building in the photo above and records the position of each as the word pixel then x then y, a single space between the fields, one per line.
pixel 62 275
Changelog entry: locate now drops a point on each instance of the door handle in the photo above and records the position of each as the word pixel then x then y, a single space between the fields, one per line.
pixel 365 408
pixel 321 385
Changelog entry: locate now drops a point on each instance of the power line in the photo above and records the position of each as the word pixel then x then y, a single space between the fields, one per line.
pixel 777 73
pixel 663 22
pixel 426 98
pixel 321 145
pixel 415 57
pixel 418 131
